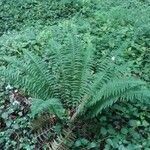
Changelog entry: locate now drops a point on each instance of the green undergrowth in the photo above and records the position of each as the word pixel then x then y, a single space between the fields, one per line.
pixel 116 26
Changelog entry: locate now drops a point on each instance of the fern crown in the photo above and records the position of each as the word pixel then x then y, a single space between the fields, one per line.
pixel 65 75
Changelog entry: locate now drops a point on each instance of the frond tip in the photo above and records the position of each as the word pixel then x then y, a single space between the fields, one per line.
pixel 52 105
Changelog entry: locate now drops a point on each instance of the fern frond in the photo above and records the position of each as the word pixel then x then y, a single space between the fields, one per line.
pixel 142 95
pixel 11 75
pixel 16 62
pixel 80 61
pixel 86 71
pixel 108 70
pixel 52 105
pixel 59 65
pixel 64 141
pixel 42 137
pixel 110 93
pixel 119 86
pixel 116 87
pixel 31 73
pixel 38 69
pixel 73 67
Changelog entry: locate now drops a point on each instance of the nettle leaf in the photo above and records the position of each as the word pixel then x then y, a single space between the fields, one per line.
pixel 5 115
pixel 134 123
pixel 8 123
pixel 145 123
pixel 92 145
pixel 16 126
pixel 103 131
pixel 53 106
pixel 78 143
pixel 124 131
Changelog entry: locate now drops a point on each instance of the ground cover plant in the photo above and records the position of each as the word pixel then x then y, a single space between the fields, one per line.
pixel 65 80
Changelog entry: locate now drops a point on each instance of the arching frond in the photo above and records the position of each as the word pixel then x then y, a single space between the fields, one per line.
pixel 112 92
pixel 52 105
pixel 64 141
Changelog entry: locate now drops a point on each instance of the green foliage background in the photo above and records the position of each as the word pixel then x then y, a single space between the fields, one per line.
pixel 114 25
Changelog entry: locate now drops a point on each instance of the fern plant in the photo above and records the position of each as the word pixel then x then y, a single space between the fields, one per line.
pixel 67 79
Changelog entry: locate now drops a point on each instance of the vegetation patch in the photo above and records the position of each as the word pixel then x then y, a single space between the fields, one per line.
pixel 74 74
